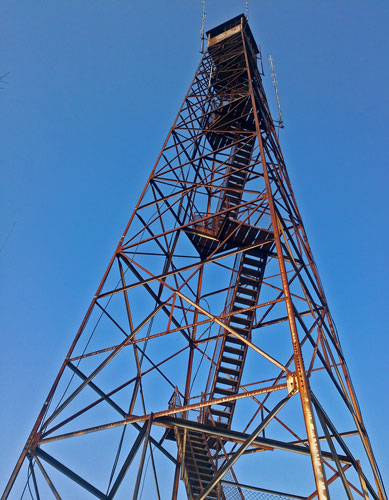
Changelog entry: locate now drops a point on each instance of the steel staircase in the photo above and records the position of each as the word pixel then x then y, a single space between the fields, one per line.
pixel 198 468
pixel 237 174
pixel 233 351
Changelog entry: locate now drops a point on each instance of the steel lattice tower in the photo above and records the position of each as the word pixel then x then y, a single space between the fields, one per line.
pixel 208 358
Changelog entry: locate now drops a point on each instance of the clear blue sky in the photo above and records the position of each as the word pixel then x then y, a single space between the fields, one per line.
pixel 92 91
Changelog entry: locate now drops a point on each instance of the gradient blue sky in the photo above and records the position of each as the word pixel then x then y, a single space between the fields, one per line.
pixel 93 89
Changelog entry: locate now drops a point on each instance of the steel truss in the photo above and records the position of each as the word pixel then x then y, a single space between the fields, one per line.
pixel 208 348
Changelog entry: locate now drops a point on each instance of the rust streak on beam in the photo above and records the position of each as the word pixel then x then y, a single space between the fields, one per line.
pixel 165 413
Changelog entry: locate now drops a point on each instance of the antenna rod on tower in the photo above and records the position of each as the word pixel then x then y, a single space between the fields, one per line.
pixel 203 18
pixel 247 10
pixel 273 74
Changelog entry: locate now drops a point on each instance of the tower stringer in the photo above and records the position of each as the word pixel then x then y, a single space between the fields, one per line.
pixel 303 385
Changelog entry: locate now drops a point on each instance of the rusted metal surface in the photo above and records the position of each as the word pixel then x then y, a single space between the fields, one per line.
pixel 210 324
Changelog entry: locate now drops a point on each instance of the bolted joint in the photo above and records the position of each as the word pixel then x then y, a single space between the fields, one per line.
pixel 292 384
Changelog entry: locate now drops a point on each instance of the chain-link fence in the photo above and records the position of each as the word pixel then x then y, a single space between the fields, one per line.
pixel 233 491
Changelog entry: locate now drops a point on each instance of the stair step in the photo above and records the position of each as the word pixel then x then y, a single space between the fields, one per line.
pixel 245 280
pixel 233 184
pixel 197 438
pixel 210 496
pixel 241 331
pixel 220 413
pixel 247 291
pixel 234 188
pixel 197 446
pixel 248 271
pixel 234 197
pixel 196 449
pixel 244 300
pixel 242 150
pixel 235 340
pixel 197 487
pixel 233 350
pixel 194 473
pixel 232 361
pixel 240 164
pixel 225 392
pixel 233 191
pixel 239 310
pixel 244 160
pixel 247 148
pixel 251 262
pixel 197 453
pixel 241 321
pixel 196 435
pixel 230 371
pixel 205 479
pixel 200 457
pixel 238 169
pixel 243 156
pixel 239 176
pixel 203 469
pixel 224 380
pixel 203 466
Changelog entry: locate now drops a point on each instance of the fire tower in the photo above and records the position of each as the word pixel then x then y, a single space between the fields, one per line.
pixel 208 365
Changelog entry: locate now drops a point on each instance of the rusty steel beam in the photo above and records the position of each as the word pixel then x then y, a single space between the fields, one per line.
pixel 240 437
pixel 195 406
pixel 70 474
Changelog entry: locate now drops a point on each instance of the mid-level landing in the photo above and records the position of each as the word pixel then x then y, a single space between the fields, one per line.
pixel 217 234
